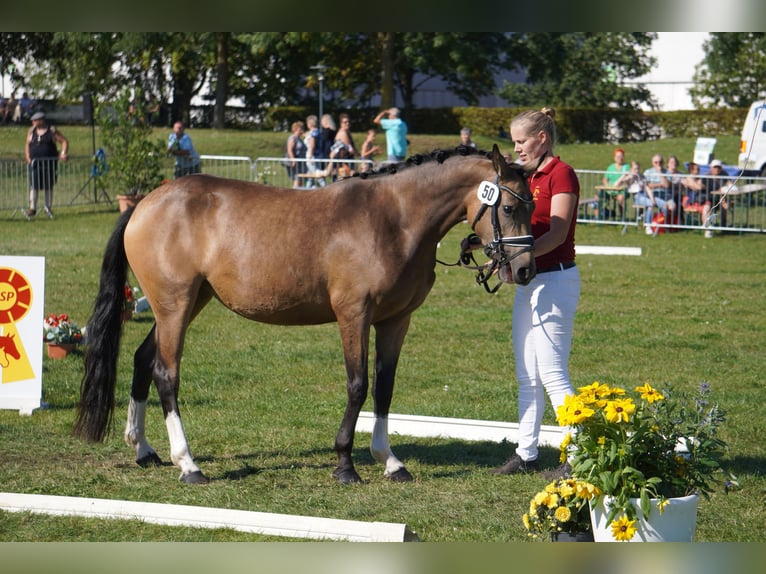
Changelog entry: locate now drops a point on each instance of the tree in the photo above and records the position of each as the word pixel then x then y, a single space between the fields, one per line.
pixel 135 157
pixel 732 71
pixel 581 69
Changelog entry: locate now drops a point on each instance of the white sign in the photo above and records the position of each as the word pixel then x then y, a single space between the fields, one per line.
pixel 22 293
pixel 703 150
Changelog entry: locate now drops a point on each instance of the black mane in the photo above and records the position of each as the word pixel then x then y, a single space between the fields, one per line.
pixel 438 155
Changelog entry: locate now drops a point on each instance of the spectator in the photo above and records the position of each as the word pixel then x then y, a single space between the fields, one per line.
pixel 343 148
pixel 3 105
pixel 181 147
pixel 614 171
pixel 296 151
pixel 675 178
pixel 26 104
pixel 369 150
pixel 10 109
pixel 641 192
pixel 312 143
pixel 696 198
pixel 717 185
pixel 327 132
pixel 42 156
pixel 465 138
pixel 396 134
pixel 659 190
pixel 344 136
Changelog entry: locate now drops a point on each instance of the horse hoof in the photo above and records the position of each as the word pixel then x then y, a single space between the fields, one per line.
pixel 150 459
pixel 401 475
pixel 195 477
pixel 346 476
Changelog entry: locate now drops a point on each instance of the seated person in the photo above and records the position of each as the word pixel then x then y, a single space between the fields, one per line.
pixel 643 194
pixel 614 172
pixel 717 184
pixel 696 196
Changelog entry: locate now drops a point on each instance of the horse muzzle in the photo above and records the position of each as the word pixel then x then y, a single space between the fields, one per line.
pixel 522 275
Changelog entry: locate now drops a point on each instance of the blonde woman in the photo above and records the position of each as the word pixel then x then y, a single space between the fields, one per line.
pixel 544 309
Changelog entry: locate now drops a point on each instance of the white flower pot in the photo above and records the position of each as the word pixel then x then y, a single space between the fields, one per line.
pixel 677 522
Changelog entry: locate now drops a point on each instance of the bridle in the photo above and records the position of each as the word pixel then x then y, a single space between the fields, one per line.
pixel 489 195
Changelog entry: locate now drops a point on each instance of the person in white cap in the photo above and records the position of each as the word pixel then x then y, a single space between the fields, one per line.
pixel 42 156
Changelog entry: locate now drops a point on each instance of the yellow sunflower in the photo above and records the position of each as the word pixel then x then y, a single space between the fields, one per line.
pixel 623 529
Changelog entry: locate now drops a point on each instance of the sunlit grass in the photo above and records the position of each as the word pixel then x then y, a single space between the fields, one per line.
pixel 261 404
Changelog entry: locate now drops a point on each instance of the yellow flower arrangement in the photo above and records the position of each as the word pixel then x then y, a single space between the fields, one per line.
pixel 648 445
pixel 561 507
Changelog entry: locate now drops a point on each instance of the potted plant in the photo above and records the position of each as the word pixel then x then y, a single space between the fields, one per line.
pixel 61 335
pixel 560 511
pixel 646 452
pixel 134 158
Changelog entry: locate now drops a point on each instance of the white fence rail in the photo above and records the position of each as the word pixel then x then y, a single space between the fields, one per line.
pixel 79 183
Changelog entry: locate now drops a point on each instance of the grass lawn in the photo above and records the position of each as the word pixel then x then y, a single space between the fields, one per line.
pixel 261 404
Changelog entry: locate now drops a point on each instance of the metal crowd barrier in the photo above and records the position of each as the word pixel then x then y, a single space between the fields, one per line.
pixel 741 210
pixel 79 183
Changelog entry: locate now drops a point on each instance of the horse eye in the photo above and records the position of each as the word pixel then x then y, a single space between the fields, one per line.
pixel 508 209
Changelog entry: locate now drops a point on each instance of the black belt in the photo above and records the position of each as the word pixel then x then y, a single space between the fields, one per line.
pixel 557 267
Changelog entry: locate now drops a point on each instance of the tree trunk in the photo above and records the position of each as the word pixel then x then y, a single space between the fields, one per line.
pixel 222 80
pixel 387 72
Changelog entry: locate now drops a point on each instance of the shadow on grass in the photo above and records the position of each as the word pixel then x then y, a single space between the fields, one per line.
pixel 469 455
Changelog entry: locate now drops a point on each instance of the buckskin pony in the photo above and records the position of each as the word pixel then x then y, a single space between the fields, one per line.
pixel 367 252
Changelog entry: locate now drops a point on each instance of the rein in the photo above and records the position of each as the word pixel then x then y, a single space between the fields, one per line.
pixel 495 249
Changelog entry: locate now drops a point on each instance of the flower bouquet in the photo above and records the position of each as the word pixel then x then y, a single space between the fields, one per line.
pixel 60 329
pixel 648 445
pixel 130 299
pixel 562 507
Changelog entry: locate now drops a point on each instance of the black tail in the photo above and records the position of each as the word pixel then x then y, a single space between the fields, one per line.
pixel 94 412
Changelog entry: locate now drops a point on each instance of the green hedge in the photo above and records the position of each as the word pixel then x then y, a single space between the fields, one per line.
pixel 578 125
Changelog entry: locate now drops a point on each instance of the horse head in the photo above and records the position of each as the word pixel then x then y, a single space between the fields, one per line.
pixel 502 222
pixel 8 347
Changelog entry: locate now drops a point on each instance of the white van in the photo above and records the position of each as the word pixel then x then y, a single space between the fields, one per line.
pixel 752 146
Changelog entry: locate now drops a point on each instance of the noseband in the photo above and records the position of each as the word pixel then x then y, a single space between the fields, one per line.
pixel 489 195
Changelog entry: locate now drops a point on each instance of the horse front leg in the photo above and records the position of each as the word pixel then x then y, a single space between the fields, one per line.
pixel 355 350
pixel 143 361
pixel 389 337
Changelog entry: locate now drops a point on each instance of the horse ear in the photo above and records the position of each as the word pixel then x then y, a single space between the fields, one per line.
pixel 498 161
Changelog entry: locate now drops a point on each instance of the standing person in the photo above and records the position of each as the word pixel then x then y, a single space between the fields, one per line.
pixel 544 310
pixel 327 131
pixel 42 156
pixel 369 150
pixel 342 148
pixel 343 136
pixel 26 104
pixel 180 145
pixel 465 138
pixel 311 139
pixel 396 134
pixel 295 150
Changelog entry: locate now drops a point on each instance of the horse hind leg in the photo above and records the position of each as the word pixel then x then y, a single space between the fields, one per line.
pixel 389 337
pixel 143 361
pixel 171 330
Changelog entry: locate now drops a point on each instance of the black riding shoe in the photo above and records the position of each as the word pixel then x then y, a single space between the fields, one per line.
pixel 515 465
